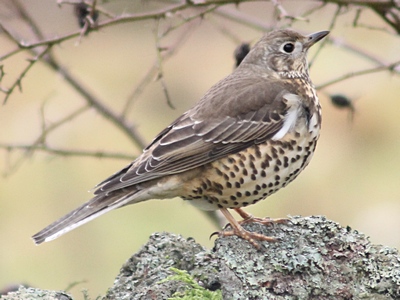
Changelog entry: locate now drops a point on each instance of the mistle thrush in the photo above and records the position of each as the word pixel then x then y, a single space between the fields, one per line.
pixel 250 135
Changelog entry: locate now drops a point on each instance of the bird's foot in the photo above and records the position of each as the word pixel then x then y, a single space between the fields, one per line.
pixel 238 230
pixel 248 218
pixel 251 237
pixel 264 221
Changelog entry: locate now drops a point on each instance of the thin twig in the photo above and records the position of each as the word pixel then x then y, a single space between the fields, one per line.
pixel 40 141
pixel 323 43
pixel 152 71
pixel 390 67
pixel 99 105
pixel 66 152
pixel 17 82
pixel 160 75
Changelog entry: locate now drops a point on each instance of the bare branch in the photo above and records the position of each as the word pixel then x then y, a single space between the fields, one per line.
pixel 160 75
pixel 359 73
pixel 66 152
pixel 17 82
pixel 99 105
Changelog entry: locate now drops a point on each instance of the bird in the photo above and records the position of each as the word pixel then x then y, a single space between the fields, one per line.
pixel 250 135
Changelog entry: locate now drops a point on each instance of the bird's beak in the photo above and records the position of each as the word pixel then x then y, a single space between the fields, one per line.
pixel 315 37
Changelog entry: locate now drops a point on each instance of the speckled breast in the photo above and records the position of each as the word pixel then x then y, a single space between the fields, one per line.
pixel 253 174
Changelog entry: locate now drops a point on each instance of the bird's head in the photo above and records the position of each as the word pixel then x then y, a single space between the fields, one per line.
pixel 284 52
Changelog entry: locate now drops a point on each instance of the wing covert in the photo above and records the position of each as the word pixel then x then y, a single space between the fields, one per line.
pixel 199 137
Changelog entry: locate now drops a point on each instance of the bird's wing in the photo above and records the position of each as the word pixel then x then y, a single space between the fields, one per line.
pixel 215 128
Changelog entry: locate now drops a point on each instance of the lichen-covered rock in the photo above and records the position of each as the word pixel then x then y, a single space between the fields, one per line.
pixel 141 277
pixel 314 259
pixel 31 293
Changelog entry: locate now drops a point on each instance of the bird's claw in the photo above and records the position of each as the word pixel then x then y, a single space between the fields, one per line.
pixel 264 221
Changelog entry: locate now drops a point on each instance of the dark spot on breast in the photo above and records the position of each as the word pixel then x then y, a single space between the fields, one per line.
pixel 220 206
pixel 247 194
pixel 258 152
pixel 218 171
pixel 263 173
pixel 307 113
pixel 258 187
pixel 238 194
pixel 253 177
pixel 233 198
pixel 237 185
pixel 276 169
pixel 286 162
pixel 241 180
pixel 235 168
pixel 277 177
pixel 236 203
pixel 244 172
pixel 264 185
pixel 252 165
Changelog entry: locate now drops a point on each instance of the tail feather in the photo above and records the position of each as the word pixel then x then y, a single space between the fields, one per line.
pixel 92 209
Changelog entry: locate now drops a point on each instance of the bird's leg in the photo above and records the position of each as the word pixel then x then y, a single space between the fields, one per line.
pixel 239 231
pixel 248 218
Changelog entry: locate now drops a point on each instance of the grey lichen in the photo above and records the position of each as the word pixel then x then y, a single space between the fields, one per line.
pixel 141 277
pixel 314 259
pixel 31 293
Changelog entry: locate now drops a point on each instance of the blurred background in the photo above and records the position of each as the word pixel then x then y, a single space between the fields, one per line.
pixel 353 178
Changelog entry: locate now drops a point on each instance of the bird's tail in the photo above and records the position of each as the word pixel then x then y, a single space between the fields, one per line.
pixel 92 209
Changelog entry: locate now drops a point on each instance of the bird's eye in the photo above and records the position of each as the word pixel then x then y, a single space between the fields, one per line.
pixel 288 48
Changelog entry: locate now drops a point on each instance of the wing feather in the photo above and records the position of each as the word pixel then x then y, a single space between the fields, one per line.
pixel 255 114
